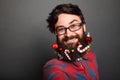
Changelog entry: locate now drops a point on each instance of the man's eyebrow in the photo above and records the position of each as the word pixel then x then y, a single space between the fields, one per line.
pixel 73 21
pixel 59 27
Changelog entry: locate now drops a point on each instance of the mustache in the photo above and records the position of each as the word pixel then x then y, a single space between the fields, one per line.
pixel 71 37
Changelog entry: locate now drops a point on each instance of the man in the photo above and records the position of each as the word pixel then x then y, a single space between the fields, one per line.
pixel 75 60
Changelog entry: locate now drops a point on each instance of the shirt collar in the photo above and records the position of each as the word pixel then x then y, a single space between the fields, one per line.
pixel 89 56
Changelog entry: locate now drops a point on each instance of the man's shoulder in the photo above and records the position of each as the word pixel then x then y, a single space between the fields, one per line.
pixel 90 55
pixel 54 63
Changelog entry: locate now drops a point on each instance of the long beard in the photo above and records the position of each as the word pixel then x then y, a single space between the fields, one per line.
pixel 73 55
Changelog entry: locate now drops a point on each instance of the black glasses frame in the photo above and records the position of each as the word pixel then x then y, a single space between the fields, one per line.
pixel 69 27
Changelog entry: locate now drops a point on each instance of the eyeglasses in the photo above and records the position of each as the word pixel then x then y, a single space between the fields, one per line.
pixel 74 27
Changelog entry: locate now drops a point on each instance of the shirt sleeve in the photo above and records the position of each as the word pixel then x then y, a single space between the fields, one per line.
pixel 54 72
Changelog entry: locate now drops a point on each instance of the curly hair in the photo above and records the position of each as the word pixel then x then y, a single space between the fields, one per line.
pixel 63 8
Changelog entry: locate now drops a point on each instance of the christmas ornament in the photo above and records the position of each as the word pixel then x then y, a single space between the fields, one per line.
pixel 54 45
pixel 88 38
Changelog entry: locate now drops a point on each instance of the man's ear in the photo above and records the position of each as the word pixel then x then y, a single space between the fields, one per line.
pixel 84 27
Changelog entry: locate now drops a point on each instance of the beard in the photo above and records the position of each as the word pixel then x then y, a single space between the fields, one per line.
pixel 72 46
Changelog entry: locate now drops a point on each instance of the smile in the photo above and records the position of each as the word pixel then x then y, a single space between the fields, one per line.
pixel 74 40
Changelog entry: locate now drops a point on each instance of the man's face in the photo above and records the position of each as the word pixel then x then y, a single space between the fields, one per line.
pixel 69 38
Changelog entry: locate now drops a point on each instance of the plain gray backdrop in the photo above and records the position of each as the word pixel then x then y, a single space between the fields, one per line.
pixel 25 42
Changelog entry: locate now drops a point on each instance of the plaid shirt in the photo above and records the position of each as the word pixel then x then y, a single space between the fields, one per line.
pixel 85 69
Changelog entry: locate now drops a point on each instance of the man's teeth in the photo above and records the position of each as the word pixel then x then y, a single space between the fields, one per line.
pixel 72 40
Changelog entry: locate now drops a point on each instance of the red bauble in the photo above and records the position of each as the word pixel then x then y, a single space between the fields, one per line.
pixel 89 39
pixel 54 45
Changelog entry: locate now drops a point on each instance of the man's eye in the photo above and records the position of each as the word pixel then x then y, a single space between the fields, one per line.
pixel 74 26
pixel 61 29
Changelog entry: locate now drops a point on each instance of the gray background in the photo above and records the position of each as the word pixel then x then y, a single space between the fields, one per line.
pixel 25 42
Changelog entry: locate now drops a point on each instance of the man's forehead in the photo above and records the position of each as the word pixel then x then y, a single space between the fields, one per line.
pixel 74 20
pixel 65 19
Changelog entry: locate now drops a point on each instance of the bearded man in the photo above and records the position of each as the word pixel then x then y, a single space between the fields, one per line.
pixel 75 60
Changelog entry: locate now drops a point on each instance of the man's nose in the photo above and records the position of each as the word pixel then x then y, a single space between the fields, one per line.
pixel 68 33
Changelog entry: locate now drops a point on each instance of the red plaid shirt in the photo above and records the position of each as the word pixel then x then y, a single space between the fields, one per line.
pixel 85 69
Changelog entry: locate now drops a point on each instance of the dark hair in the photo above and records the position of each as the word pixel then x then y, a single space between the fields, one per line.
pixel 63 8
